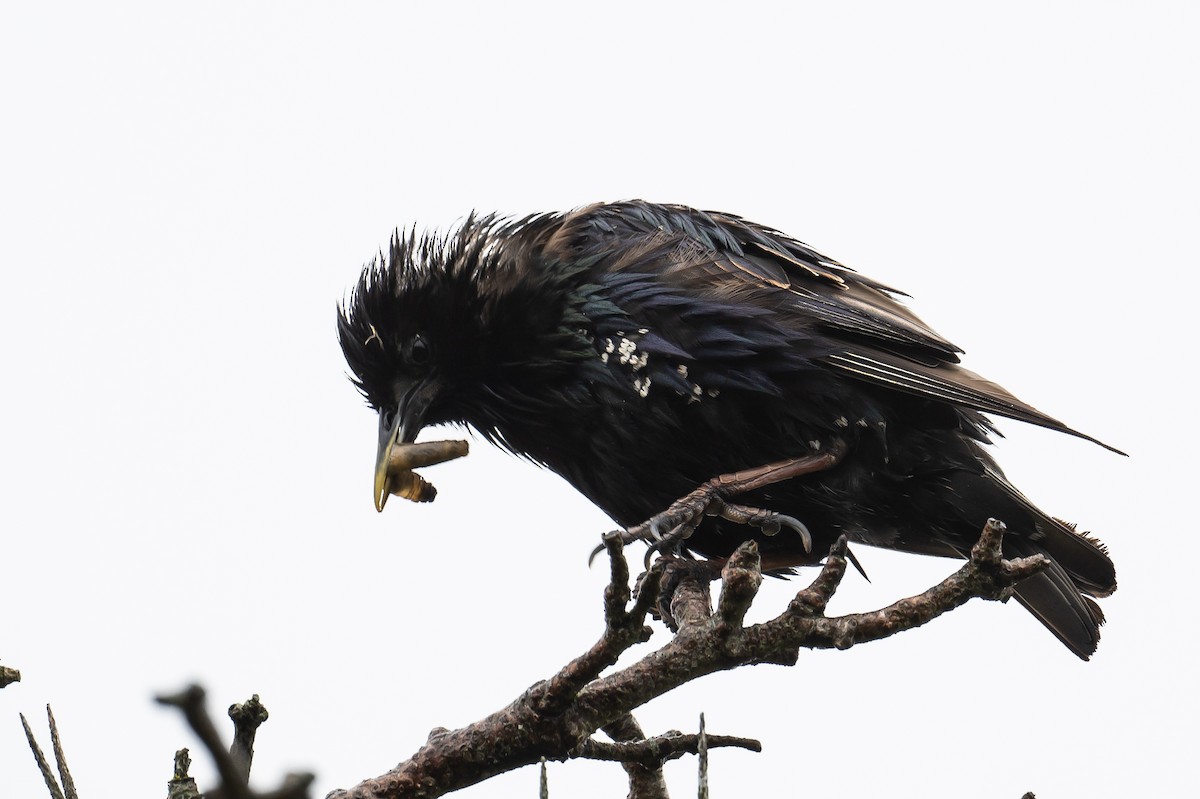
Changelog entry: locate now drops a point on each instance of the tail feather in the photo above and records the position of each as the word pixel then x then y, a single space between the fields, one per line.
pixel 1083 557
pixel 1080 567
pixel 1054 600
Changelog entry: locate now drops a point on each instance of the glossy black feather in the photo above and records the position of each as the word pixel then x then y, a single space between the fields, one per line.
pixel 639 350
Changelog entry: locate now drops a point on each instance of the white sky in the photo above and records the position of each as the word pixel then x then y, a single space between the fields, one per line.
pixel 185 193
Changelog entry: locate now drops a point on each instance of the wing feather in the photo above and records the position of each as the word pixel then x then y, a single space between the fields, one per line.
pixel 885 343
pixel 948 383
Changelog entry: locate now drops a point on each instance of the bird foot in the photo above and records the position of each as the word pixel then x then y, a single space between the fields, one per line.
pixel 665 531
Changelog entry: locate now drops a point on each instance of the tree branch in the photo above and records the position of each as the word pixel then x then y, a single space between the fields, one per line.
pixel 190 702
pixel 653 752
pixel 182 785
pixel 646 781
pixel 64 774
pixel 621 631
pixel 247 718
pixel 65 790
pixel 556 718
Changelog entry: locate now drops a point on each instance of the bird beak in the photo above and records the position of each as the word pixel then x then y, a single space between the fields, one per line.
pixel 398 424
pixel 388 435
pixel 398 455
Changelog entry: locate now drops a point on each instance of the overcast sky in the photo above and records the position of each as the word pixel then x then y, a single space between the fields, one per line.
pixel 186 192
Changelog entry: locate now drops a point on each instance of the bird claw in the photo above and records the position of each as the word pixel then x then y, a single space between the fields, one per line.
pixel 653 532
pixel 710 499
pixel 682 518
pixel 656 542
pixel 668 545
pixel 648 533
pixel 769 521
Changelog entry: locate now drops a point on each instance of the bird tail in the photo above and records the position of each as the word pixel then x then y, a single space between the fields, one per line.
pixel 1080 568
pixel 1054 598
pixel 1060 596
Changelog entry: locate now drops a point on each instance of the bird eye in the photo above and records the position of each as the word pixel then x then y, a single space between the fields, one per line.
pixel 417 351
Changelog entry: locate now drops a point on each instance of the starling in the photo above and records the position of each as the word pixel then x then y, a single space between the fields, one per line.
pixel 640 350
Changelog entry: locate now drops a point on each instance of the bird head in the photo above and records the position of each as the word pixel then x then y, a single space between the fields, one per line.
pixel 470 327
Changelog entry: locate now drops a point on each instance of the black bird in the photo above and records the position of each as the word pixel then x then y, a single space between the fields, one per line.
pixel 640 350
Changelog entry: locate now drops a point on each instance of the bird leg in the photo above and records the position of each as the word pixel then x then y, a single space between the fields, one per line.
pixel 680 520
pixel 712 499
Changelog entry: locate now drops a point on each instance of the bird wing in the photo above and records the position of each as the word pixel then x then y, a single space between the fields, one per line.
pixel 880 341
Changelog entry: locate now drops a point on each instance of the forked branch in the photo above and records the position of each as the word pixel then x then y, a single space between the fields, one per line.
pixel 556 719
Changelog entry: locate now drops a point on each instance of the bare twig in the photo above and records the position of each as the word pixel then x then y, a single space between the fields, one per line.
pixel 621 631
pixel 247 718
pixel 52 785
pixel 8 676
pixel 68 784
pixel 233 783
pixel 691 603
pixel 653 752
pixel 182 785
pixel 811 601
pixel 65 789
pixel 646 781
pixel 190 701
pixel 556 718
